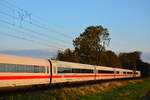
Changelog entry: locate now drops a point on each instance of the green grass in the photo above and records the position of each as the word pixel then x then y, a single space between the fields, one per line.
pixel 129 92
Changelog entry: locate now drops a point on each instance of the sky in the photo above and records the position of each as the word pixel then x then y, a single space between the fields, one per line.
pixel 61 21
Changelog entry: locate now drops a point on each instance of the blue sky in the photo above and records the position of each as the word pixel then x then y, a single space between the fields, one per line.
pixel 128 22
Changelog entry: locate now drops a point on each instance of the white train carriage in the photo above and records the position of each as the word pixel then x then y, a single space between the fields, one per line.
pixel 70 72
pixel 126 73
pixel 123 73
pixel 20 71
pixel 104 73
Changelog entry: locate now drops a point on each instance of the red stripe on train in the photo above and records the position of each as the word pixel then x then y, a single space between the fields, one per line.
pixel 55 76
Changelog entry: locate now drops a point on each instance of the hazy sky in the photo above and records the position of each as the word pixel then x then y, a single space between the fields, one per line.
pixel 128 22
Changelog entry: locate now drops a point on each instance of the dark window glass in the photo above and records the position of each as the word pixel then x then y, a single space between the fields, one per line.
pixel 135 72
pixel 47 69
pixel 76 70
pixel 64 70
pixel 124 72
pixel 105 72
pixel 36 69
pixel 21 68
pixel 86 71
pixel 117 72
pixel 129 73
pixel 54 69
pixel 73 70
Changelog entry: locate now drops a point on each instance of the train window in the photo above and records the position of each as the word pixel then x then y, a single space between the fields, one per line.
pixel 105 72
pixel 129 73
pixel 75 70
pixel 21 68
pixel 64 70
pixel 135 72
pixel 54 69
pixel 117 72
pixel 36 69
pixel 41 69
pixel 86 71
pixel 47 69
pixel 124 72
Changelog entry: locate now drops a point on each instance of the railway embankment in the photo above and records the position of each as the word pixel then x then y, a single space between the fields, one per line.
pixel 111 90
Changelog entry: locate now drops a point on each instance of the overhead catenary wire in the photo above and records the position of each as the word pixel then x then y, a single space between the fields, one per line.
pixel 33 35
pixel 62 41
pixel 40 26
pixel 30 40
pixel 39 33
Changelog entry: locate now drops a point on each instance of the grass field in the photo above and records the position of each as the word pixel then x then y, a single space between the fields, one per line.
pixel 129 92
pixel 115 90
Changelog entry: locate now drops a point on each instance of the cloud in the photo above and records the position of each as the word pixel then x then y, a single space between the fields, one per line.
pixel 36 53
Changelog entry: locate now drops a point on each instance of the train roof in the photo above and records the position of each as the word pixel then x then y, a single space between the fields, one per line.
pixel 72 64
pixel 11 59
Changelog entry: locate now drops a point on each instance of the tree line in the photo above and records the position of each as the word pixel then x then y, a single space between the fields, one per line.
pixel 90 48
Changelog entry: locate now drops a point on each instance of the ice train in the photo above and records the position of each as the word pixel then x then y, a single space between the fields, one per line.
pixel 24 71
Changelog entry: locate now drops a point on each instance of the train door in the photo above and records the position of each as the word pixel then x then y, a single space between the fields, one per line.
pixel 50 70
pixel 95 73
pixel 115 72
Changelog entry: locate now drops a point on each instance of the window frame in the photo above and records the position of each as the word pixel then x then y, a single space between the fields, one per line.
pixel 21 68
pixel 75 70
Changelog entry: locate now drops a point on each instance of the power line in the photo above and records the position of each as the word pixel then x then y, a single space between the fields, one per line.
pixel 39 38
pixel 34 24
pixel 31 23
pixel 42 27
pixel 31 31
pixel 29 40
